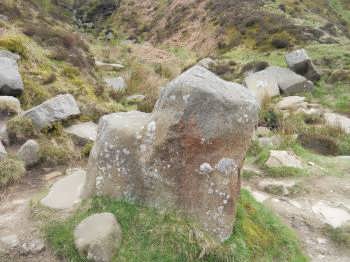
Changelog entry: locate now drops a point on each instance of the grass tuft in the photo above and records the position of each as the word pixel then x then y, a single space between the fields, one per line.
pixel 11 171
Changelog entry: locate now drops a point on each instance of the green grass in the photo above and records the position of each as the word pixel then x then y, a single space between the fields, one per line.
pixel 150 236
pixel 11 171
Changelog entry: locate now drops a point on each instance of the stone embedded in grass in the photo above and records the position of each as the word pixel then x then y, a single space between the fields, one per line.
pixel 277 187
pixel 29 153
pixel 272 141
pixel 116 83
pixel 338 121
pixel 83 132
pixel 3 152
pixel 59 108
pixel 98 237
pixel 135 99
pixel 11 83
pixel 66 192
pixel 263 85
pixel 9 105
pixel 283 159
pixel 289 82
pixel 300 63
pixel 333 216
pixel 185 156
pixel 292 103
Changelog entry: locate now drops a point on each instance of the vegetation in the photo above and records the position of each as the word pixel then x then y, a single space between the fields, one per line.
pixel 151 236
pixel 11 171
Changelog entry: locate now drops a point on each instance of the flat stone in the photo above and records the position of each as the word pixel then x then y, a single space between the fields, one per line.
pixel 98 237
pixel 10 241
pixel 292 103
pixel 66 192
pixel 263 85
pixel 109 66
pixel 333 216
pixel 116 83
pixel 338 121
pixel 83 132
pixel 283 159
pixel 272 141
pixel 271 186
pixel 134 99
pixel 52 175
pixel 59 108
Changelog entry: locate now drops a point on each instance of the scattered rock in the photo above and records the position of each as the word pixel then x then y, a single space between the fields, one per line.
pixel 4 137
pixel 289 82
pixel 59 108
pixel 3 152
pixel 9 105
pixel 135 99
pixel 262 85
pixel 116 83
pixel 156 158
pixel 207 63
pixel 53 175
pixel 283 159
pixel 98 237
pixel 272 141
pixel 66 192
pixel 283 188
pixel 300 62
pixel 108 66
pixel 29 153
pixel 338 121
pixel 11 83
pixel 333 216
pixel 292 103
pixel 262 131
pixel 83 132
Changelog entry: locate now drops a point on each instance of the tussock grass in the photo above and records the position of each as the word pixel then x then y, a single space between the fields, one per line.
pixel 152 236
pixel 11 171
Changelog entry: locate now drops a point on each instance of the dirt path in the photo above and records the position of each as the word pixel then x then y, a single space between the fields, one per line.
pixel 317 202
pixel 20 237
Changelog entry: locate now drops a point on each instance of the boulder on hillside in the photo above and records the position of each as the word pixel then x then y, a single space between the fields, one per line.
pixel 300 63
pixel 11 83
pixel 185 156
pixel 9 105
pixel 29 152
pixel 83 132
pixel 289 82
pixel 338 121
pixel 263 85
pixel 98 237
pixel 116 83
pixel 59 108
pixel 283 159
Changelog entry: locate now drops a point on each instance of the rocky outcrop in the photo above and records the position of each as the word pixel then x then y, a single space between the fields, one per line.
pixel 11 83
pixel 185 156
pixel 59 108
pixel 29 153
pixel 300 63
pixel 98 237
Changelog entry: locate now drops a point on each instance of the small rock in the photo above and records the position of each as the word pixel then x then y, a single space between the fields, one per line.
pixel 33 247
pixel 29 153
pixel 53 175
pixel 333 216
pixel 262 131
pixel 277 187
pixel 9 105
pixel 300 63
pixel 135 99
pixel 292 103
pixel 283 159
pixel 11 83
pixel 338 121
pixel 59 108
pixel 66 192
pixel 116 83
pixel 108 66
pixel 207 63
pixel 98 237
pixel 3 152
pixel 83 132
pixel 272 141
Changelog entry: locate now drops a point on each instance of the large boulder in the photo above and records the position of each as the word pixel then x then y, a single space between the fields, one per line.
pixel 11 83
pixel 60 107
pixel 300 63
pixel 289 82
pixel 29 152
pixel 262 84
pixel 185 156
pixel 98 237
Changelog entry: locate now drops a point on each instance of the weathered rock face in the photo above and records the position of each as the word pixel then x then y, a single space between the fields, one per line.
pixel 98 237
pixel 55 109
pixel 300 63
pixel 10 79
pixel 186 155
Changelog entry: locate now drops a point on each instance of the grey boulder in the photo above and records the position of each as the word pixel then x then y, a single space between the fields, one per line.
pixel 9 105
pixel 59 108
pixel 300 63
pixel 98 237
pixel 116 83
pixel 83 132
pixel 185 156
pixel 11 83
pixel 289 82
pixel 29 153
